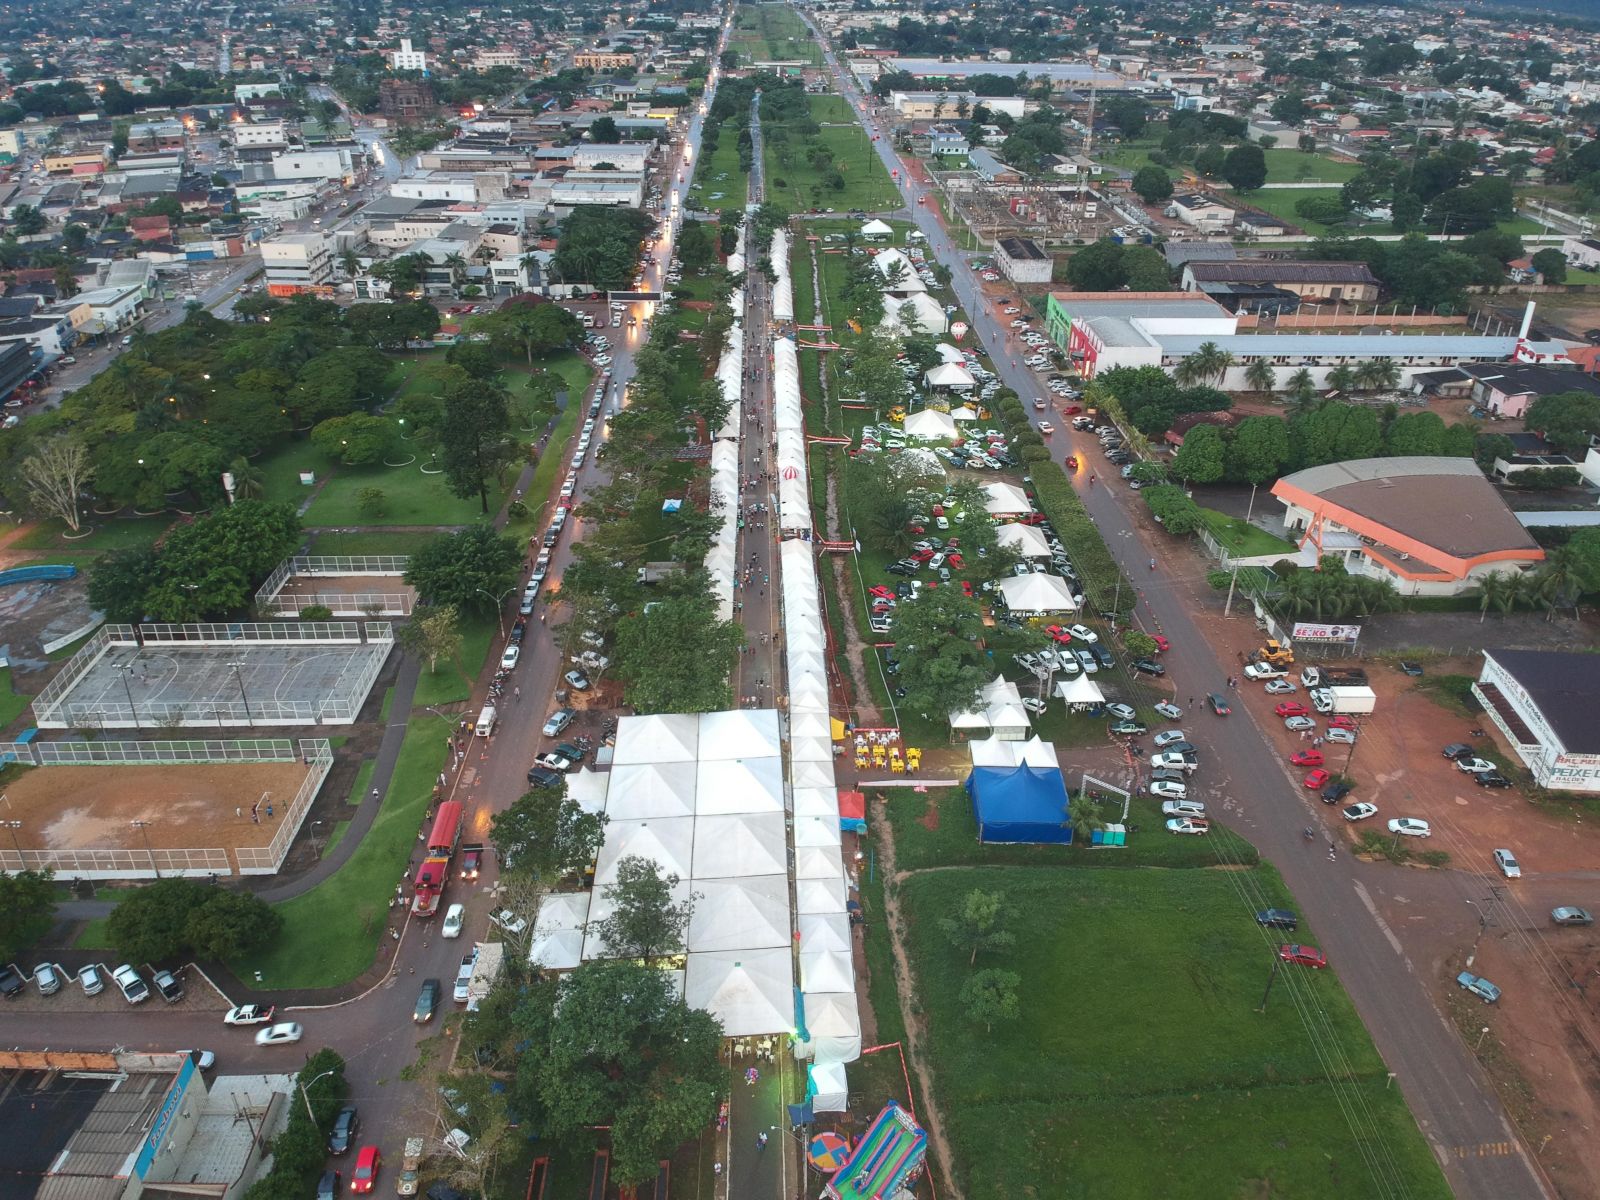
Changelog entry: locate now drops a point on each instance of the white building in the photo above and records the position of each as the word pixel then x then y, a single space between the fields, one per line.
pixel 1544 702
pixel 263 133
pixel 277 200
pixel 571 193
pixel 623 156
pixel 436 185
pixel 110 308
pixel 1201 212
pixel 1022 261
pixel 297 262
pixel 334 163
pixel 407 59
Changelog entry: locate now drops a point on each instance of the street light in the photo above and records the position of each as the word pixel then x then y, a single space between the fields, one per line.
pixel 133 710
pixel 144 828
pixel 499 605
pixel 249 718
pixel 13 826
pixel 304 1095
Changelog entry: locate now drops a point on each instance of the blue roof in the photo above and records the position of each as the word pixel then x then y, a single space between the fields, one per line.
pixel 1020 804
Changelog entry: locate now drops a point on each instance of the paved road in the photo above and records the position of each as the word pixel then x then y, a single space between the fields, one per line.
pixel 1449 1095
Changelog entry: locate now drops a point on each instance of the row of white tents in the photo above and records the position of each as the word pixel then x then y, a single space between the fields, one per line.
pixel 782 286
pixel 722 560
pixel 788 424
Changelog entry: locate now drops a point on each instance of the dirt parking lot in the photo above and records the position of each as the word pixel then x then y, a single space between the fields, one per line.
pixel 199 996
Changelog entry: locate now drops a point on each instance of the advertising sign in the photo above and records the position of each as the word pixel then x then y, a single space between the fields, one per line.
pixel 1315 631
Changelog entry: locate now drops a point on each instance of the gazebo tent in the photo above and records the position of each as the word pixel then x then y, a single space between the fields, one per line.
pixel 657 739
pixel 927 316
pixel 950 354
pixel 963 412
pixel 1080 690
pixel 1037 593
pixel 995 752
pixel 1004 499
pixel 948 375
pixel 876 228
pixel 834 1023
pixel 1020 804
pixel 648 790
pixel 750 991
pixel 558 931
pixel 827 1087
pixel 932 425
pixel 820 895
pixel 1026 540
pixel 910 281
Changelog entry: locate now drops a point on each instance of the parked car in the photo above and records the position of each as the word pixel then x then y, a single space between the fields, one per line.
pixel 544 777
pixel 1190 825
pixel 1122 712
pixel 1173 761
pixel 1335 792
pixel 1183 808
pixel 343 1134
pixel 1457 750
pixel 285 1034
pixel 134 989
pixel 1340 735
pixel 1169 710
pixel 1306 956
pixel 454 917
pixel 558 721
pixel 90 979
pixel 1472 766
pixel 1280 687
pixel 328 1187
pixel 1491 779
pixel 1296 724
pixel 249 1014
pixel 1148 666
pixel 1128 728
pixel 1478 986
pixel 1291 708
pixel 1083 633
pixel 1410 827
pixel 1360 811
pixel 1167 737
pixel 1315 780
pixel 508 660
pixel 47 977
pixel 1277 918
pixel 427 1001
pixel 505 919
pixel 1509 867
pixel 1569 915
pixel 169 987
pixel 577 680
pixel 1306 758
pixel 464 977
pixel 1176 791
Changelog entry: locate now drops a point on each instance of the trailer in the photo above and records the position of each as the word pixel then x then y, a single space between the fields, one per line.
pixel 1348 700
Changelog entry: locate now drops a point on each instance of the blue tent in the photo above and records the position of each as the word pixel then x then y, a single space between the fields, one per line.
pixel 1020 804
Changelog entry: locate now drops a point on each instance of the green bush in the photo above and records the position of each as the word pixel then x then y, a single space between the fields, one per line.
pixel 1081 536
pixel 316 612
pixel 300 1151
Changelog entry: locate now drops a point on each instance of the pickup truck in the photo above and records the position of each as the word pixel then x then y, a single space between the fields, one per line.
pixel 410 1165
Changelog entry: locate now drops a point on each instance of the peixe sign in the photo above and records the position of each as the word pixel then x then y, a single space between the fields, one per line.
pixel 1313 631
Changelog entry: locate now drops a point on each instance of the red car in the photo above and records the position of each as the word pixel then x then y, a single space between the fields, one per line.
pixel 1306 956
pixel 1072 462
pixel 882 592
pixel 1341 722
pixel 1292 708
pixel 365 1176
pixel 966 588
pixel 955 561
pixel 1161 643
pixel 1072 410
pixel 1306 758
pixel 923 556
pixel 1034 518
pixel 1058 633
pixel 1316 779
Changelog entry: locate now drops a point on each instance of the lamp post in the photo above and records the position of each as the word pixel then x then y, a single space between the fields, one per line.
pixel 304 1095
pixel 499 605
pixel 144 828
pixel 249 718
pixel 13 826
pixel 133 710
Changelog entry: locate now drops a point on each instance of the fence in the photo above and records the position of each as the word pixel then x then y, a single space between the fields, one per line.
pixel 232 633
pixel 158 862
pixel 80 664
pixel 270 602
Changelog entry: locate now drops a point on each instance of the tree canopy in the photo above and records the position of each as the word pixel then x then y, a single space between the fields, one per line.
pixel 460 568
pixel 546 836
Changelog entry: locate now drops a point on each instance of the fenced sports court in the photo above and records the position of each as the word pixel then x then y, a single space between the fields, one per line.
pixel 180 808
pixel 362 585
pixel 166 677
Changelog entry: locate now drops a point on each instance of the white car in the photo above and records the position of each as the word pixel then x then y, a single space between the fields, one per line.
pixel 464 978
pixel 505 919
pixel 1194 825
pixel 603 359
pixel 249 1014
pixel 508 660
pixel 577 680
pixel 1280 687
pixel 1473 766
pixel 1264 671
pixel 1410 827
pixel 1083 633
pixel 134 989
pixel 285 1034
pixel 1336 734
pixel 1171 760
pixel 1509 867
pixel 1360 811
pixel 90 978
pixel 1168 736
pixel 454 918
pixel 1169 710
pixel 1183 808
pixel 1171 790
pixel 48 976
pixel 1046 428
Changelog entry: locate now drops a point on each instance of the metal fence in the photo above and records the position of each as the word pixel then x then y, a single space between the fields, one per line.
pixel 80 664
pixel 350 564
pixel 270 602
pixel 340 604
pixel 235 632
pixel 96 753
pixel 253 860
pixel 125 863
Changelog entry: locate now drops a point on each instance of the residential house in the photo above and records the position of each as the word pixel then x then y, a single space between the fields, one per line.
pixel 1508 389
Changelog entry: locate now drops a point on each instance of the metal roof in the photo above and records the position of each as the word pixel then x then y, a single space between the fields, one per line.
pixel 1349 345
pixel 1255 270
pixel 1566 689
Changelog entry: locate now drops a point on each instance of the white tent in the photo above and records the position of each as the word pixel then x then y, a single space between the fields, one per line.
pixel 731 847
pixel 782 288
pixel 948 375
pixel 816 802
pixel 969 719
pixel 1037 594
pixel 995 752
pixel 1081 690
pixel 667 840
pixel 819 895
pixel 818 862
pixel 1005 498
pixel 558 931
pixel 750 991
pixel 1026 540
pixel 739 786
pixel 916 463
pixel 816 831
pixel 588 789
pixel 834 1024
pixel 876 228
pixel 927 315
pixel 827 971
pixel 810 724
pixel 824 931
pixel 645 790
pixel 830 1091
pixel 963 412
pixel 739 733
pixel 950 354
pixel 910 282
pixel 811 775
pixel 657 739
pixel 740 914
pixel 931 425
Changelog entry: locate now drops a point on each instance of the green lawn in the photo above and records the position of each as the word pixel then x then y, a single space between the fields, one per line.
pixel 1139 1065
pixel 280 471
pixel 330 934
pixel 719 181
pixel 1281 203
pixel 795 183
pixel 1240 539
pixel 1579 275
pixel 1290 166
pixel 109 533
pixel 773 33
pixel 331 542
pixel 12 705
pixel 413 498
pixel 452 682
pixel 94 935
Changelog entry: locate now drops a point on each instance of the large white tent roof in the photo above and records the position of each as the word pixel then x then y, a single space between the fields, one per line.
pixel 557 943
pixel 731 847
pixel 996 752
pixel 1005 498
pixel 739 733
pixel 820 895
pixel 826 971
pixel 818 862
pixel 753 785
pixel 930 424
pixel 950 354
pixel 750 991
pixel 645 790
pixel 910 281
pixel 877 228
pixel 669 841
pixel 1037 593
pixel 834 1023
pixel 948 375
pixel 1026 540
pixel 1080 690
pixel 926 315
pixel 735 914
pixel 657 739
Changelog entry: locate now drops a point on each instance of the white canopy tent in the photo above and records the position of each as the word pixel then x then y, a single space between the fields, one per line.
pixel 963 412
pixel 908 280
pixel 826 971
pixel 647 790
pixel 815 802
pixel 931 425
pixel 588 789
pixel 739 733
pixel 830 1091
pixel 669 841
pixel 951 354
pixel 950 376
pixel 816 831
pixel 657 739
pixel 1026 540
pixel 996 752
pixel 732 786
pixel 925 316
pixel 1037 594
pixel 731 847
pixel 818 862
pixel 969 720
pixel 782 288
pixel 820 895
pixel 558 931
pixel 1005 499
pixel 834 1023
pixel 794 490
pixel 750 991
pixel 1080 690
pixel 740 914
pixel 877 229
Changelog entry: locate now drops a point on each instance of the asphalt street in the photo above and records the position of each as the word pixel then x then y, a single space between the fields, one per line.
pixel 1452 1100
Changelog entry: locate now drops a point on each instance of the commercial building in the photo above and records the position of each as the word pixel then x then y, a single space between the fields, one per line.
pixel 1201 212
pixel 266 135
pixel 604 60
pixel 1544 702
pixel 334 163
pixel 160 135
pixel 1022 261
pixel 935 106
pixel 1432 526
pixel 990 169
pixel 18 360
pixel 407 59
pixel 298 262
pixel 622 156
pixel 1102 330
pixel 1508 389
pixel 597 189
pixel 1336 281
pixel 405 99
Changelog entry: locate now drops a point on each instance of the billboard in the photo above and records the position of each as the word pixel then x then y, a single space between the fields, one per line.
pixel 1315 631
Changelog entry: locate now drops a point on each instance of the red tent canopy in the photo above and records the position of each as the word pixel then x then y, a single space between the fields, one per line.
pixel 852 805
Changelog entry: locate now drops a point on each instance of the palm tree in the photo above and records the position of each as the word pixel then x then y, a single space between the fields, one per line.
pixel 457 267
pixel 1377 374
pixel 1342 378
pixel 1302 391
pixel 350 261
pixel 1188 372
pixel 1260 377
pixel 1083 816
pixel 1500 590
pixel 248 483
pixel 1209 361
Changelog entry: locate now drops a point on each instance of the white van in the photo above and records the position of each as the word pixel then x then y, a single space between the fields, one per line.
pixel 486 721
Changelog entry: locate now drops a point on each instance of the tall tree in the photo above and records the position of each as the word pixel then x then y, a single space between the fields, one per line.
pixel 990 997
pixel 474 439
pixel 433 633
pixel 471 568
pixel 546 835
pixel 27 905
pixel 646 921
pixel 979 924
pixel 1200 458
pixel 676 656
pixel 1245 167
pixel 54 477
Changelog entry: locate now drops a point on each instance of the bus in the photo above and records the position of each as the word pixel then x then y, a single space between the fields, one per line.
pixel 446 830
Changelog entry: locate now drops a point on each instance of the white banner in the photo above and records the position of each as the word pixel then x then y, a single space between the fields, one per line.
pixel 1313 632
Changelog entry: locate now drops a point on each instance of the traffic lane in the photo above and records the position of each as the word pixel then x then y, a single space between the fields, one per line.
pixel 1449 1096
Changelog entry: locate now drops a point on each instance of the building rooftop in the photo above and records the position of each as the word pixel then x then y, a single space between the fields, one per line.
pixel 1257 270
pixel 1437 502
pixel 1516 379
pixel 1023 248
pixel 1566 689
pixel 1352 345
pixel 1179 253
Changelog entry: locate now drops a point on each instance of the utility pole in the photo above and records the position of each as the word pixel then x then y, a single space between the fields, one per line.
pixel 1271 979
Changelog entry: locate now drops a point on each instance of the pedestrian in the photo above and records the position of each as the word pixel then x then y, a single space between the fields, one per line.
pixel 716 1168
pixel 238 812
pixel 761 1140
pixel 1302 735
